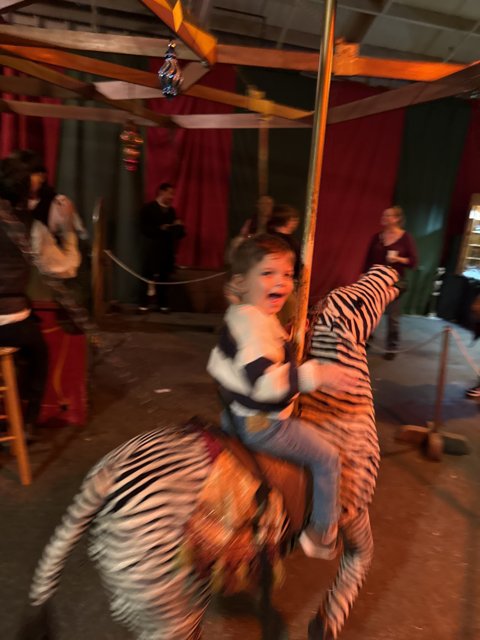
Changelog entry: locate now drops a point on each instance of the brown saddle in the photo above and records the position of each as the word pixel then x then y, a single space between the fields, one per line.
pixel 291 481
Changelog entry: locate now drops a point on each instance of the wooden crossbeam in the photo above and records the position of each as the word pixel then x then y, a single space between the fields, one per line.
pixel 346 61
pixel 193 121
pixel 25 86
pixel 148 79
pixel 83 89
pixel 13 5
pixel 70 112
pixel 463 81
pixel 180 23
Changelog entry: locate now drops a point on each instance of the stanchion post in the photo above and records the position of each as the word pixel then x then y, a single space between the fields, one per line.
pixel 434 441
pixel 98 263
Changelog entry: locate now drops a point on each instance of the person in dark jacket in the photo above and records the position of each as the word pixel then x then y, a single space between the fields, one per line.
pixel 18 327
pixel 163 230
pixel 393 247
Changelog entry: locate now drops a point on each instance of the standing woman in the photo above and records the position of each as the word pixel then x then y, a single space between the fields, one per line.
pixel 56 224
pixel 21 178
pixel 394 247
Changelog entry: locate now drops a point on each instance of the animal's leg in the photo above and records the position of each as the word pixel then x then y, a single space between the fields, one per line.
pixel 171 609
pixel 354 565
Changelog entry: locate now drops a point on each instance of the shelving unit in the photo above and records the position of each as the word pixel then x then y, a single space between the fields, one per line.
pixel 469 260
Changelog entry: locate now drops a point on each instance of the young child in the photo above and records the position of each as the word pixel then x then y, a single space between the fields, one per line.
pixel 256 370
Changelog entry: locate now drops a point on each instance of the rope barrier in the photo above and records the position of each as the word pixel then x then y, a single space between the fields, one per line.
pixel 417 345
pixel 126 268
pixel 465 353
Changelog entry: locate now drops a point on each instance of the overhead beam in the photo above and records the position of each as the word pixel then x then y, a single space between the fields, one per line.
pixel 25 86
pixel 84 90
pixel 87 41
pixel 347 62
pixel 13 5
pixel 116 116
pixel 145 78
pixel 70 112
pixel 463 81
pixel 155 48
pixel 194 37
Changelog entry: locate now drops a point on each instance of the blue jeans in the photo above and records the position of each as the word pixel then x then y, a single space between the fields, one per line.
pixel 301 443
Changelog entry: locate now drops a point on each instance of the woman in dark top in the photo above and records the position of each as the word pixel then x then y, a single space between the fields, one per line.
pixel 395 247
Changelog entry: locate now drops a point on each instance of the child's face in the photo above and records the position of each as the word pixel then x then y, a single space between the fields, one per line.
pixel 268 284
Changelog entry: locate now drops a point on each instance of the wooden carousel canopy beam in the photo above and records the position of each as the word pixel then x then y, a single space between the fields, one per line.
pixel 464 81
pixel 13 5
pixel 195 38
pixel 100 114
pixel 69 112
pixel 348 62
pixel 25 86
pixel 82 89
pixel 155 47
pixel 148 79
pixel 87 41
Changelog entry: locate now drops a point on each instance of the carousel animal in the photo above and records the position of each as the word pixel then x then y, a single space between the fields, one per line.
pixel 177 513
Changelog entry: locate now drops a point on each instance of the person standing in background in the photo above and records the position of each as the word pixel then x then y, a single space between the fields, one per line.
pixel 258 223
pixel 163 230
pixel 394 247
pixel 57 257
pixel 283 223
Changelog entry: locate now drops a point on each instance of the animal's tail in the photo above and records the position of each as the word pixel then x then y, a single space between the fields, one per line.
pixel 78 517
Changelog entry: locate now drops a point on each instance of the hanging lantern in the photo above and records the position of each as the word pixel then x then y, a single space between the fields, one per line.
pixel 170 74
pixel 132 142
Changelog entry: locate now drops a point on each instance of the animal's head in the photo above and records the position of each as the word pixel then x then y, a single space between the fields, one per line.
pixel 353 312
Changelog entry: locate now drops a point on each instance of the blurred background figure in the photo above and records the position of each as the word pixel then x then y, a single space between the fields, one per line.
pixel 22 176
pixel 256 224
pixel 474 392
pixel 395 247
pixel 283 223
pixel 259 221
pixel 163 230
pixel 56 228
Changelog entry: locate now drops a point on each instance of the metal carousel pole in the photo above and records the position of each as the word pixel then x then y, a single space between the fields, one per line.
pixel 315 169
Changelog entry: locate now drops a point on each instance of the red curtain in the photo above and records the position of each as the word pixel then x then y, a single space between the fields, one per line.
pixel 24 132
pixel 198 163
pixel 359 174
pixel 468 182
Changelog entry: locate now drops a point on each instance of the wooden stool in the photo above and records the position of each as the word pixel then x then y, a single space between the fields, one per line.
pixel 11 401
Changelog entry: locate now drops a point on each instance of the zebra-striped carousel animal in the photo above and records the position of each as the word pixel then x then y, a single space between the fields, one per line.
pixel 174 514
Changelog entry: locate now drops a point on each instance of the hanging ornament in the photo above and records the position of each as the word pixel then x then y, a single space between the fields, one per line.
pixel 170 74
pixel 132 142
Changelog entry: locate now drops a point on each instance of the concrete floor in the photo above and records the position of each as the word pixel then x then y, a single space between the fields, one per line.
pixel 425 580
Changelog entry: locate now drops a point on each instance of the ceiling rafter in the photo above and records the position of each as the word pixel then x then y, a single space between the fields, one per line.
pixel 84 90
pixel 13 5
pixel 136 76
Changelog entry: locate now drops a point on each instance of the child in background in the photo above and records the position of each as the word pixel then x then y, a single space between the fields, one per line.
pixel 255 367
pixel 283 224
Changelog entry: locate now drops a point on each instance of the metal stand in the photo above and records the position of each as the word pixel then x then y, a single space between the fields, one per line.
pixel 429 437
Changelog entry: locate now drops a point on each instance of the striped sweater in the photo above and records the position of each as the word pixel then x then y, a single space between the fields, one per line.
pixel 255 366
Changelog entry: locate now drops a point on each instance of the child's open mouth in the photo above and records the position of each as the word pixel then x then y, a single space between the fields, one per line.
pixel 276 296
